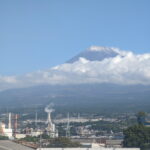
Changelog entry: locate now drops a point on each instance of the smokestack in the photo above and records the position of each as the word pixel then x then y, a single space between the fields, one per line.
pixel 49 118
pixel 15 125
pixel 9 120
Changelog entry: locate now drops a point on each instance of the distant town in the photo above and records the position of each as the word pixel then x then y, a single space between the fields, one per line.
pixel 76 130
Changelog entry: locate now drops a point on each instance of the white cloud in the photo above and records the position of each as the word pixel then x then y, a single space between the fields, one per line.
pixel 8 79
pixel 130 69
pixel 125 68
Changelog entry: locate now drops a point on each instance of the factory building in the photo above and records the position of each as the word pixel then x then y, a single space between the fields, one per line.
pixel 6 131
pixel 51 130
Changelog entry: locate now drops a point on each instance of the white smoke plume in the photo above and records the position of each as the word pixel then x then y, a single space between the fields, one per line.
pixel 49 108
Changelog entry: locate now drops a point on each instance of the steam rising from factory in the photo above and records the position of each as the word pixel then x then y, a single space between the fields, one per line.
pixel 51 130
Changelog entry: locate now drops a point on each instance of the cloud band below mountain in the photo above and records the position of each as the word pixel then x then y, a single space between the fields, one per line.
pixel 122 69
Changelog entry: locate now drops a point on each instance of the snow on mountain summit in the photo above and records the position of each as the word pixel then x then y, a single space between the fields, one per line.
pixel 101 48
pixel 97 53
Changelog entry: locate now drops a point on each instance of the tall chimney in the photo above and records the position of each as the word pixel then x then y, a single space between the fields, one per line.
pixel 49 117
pixel 15 125
pixel 9 120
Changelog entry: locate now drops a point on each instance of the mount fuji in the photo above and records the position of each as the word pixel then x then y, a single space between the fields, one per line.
pixel 95 53
pixel 98 76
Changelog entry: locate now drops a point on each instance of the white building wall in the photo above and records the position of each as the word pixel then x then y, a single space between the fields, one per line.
pixel 88 149
pixel 8 132
pixel 19 136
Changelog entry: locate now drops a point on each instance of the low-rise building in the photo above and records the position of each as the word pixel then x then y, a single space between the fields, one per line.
pixel 5 131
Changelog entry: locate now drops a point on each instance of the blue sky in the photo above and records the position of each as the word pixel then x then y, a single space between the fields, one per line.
pixel 39 34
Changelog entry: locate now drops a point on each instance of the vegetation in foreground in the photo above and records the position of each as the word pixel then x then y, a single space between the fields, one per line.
pixel 63 142
pixel 3 137
pixel 138 135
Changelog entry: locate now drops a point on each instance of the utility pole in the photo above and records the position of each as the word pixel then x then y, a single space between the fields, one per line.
pixel 68 127
pixel 36 119
pixel 79 116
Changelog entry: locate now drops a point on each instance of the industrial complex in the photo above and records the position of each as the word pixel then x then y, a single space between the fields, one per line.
pixel 17 133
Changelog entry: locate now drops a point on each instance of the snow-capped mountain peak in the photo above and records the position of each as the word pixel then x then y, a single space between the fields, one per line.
pixel 97 53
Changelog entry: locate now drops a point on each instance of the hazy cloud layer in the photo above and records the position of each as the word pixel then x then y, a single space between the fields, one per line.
pixel 125 68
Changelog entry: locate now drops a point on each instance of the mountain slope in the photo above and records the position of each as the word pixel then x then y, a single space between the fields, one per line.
pixel 89 97
pixel 100 77
pixel 95 54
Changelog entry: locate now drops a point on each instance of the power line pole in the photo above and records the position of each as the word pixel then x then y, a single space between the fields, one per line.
pixel 36 119
pixel 68 127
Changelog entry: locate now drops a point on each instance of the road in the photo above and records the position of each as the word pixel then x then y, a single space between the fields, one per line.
pixel 9 145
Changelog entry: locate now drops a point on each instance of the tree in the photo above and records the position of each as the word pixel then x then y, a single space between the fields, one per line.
pixel 30 139
pixel 63 142
pixel 3 137
pixel 137 136
pixel 141 117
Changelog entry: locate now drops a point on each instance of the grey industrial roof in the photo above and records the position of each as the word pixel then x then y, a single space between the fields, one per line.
pixel 9 145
